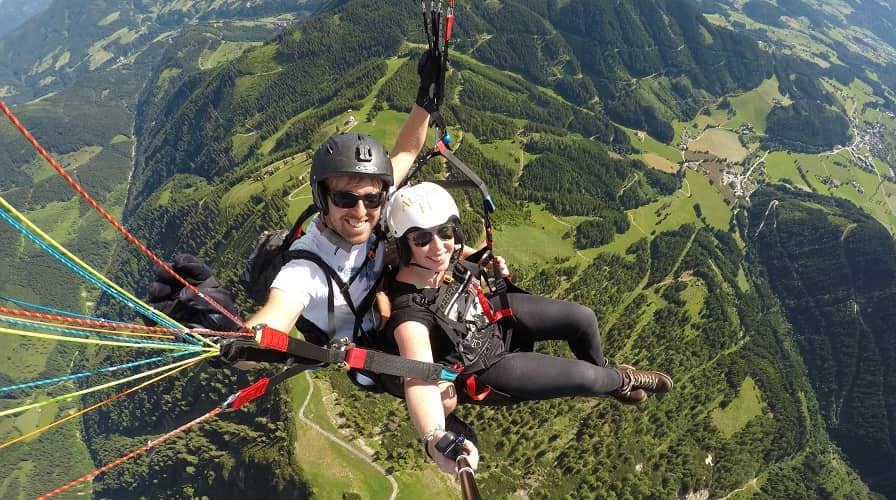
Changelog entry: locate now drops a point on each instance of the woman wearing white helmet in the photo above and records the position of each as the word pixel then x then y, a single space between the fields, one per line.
pixel 424 206
pixel 440 314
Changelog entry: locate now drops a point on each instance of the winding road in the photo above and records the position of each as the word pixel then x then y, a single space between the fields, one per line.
pixel 340 442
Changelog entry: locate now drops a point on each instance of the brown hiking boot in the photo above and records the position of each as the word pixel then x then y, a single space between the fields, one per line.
pixel 646 381
pixel 627 394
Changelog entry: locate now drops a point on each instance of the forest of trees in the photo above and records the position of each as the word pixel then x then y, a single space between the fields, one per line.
pixel 841 315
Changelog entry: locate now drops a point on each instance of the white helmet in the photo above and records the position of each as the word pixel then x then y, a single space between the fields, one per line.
pixel 420 206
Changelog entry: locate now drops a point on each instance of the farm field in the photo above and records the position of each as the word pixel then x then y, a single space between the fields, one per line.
pixel 672 211
pixel 852 183
pixel 720 142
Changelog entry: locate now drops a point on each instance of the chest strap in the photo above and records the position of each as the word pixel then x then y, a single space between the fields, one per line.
pixel 354 357
pixel 343 286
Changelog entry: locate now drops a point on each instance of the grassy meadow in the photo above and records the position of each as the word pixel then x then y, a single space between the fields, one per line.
pixel 734 416
pixel 335 471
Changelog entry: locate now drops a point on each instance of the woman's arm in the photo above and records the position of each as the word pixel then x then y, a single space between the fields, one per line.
pixel 424 399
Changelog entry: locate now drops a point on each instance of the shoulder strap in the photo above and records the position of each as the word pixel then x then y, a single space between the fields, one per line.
pixel 296 231
pixel 333 277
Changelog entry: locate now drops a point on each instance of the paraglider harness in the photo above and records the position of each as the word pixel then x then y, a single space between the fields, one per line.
pixel 272 251
pixel 480 335
pixel 475 354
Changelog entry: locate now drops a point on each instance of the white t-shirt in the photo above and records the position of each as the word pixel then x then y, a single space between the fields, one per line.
pixel 306 283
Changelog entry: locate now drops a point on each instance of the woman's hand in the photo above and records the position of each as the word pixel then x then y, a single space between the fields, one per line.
pixel 502 266
pixel 448 464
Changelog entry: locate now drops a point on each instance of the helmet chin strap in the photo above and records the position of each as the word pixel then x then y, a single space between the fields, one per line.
pixel 421 266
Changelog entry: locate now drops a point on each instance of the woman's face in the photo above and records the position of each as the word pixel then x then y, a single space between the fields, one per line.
pixel 432 248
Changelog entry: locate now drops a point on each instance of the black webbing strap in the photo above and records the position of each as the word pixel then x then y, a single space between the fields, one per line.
pixel 353 357
pixel 467 171
pixel 296 231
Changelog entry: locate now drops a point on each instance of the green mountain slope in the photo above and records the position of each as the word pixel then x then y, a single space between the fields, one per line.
pixel 842 316
pixel 647 62
pixel 47 54
pixel 221 141
pixel 829 33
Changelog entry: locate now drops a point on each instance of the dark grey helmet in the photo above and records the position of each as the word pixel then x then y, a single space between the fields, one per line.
pixel 348 155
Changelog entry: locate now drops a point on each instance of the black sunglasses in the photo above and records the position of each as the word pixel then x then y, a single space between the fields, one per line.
pixel 348 199
pixel 423 237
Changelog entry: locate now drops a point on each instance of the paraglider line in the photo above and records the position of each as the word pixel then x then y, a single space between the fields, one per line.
pixel 109 369
pixel 102 386
pixel 132 454
pixel 97 405
pixel 74 184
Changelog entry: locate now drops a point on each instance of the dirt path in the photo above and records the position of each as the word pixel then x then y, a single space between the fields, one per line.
pixel 634 179
pixel 749 484
pixel 632 220
pixel 339 441
pixel 296 191
pixel 773 204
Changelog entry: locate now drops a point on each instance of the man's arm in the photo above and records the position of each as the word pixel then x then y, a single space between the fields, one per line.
pixel 280 312
pixel 409 143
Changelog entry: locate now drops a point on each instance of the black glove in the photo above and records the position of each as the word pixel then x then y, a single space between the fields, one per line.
pixel 244 348
pixel 430 70
pixel 171 297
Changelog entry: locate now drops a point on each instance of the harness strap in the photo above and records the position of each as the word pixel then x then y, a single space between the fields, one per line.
pixel 333 277
pixel 296 231
pixel 353 357
pixel 473 392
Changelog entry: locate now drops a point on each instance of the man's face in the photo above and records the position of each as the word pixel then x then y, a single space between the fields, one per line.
pixel 356 222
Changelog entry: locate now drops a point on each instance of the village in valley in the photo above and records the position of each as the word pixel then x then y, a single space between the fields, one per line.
pixel 736 171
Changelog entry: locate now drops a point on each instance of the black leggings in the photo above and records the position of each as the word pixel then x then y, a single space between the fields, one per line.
pixel 536 376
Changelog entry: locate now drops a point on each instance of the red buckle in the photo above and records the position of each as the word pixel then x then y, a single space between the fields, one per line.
pixel 246 395
pixel 273 339
pixel 355 357
pixel 473 393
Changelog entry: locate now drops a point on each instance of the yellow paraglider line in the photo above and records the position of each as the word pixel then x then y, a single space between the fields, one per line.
pixel 85 267
pixel 62 420
pixel 144 345
pixel 104 386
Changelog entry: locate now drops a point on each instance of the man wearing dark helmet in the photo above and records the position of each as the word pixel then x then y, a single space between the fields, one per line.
pixel 351 175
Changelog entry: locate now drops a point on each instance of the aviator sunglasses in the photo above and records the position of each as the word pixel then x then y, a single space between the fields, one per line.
pixel 348 199
pixel 423 237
